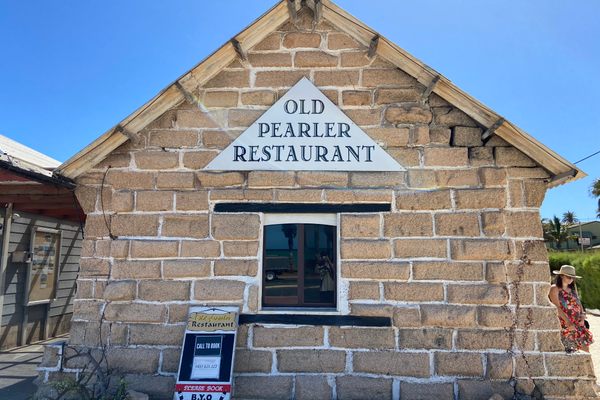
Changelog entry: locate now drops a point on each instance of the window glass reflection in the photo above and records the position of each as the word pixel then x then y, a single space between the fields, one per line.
pixel 299 265
pixel 280 265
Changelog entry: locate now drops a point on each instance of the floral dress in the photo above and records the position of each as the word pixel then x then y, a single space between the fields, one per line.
pixel 575 338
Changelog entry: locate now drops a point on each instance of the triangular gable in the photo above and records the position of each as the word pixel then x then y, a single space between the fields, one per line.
pixel 561 170
pixel 304 131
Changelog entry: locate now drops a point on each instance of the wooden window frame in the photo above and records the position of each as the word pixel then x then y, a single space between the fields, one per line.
pixel 277 303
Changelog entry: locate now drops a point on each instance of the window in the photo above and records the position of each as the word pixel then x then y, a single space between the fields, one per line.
pixel 299 261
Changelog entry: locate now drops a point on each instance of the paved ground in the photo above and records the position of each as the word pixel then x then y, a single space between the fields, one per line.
pixel 17 371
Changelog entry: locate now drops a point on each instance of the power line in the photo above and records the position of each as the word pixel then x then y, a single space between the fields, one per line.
pixel 585 158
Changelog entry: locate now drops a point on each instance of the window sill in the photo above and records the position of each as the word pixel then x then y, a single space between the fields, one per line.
pixel 321 319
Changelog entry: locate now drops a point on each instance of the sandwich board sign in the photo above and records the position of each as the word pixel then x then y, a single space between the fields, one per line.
pixel 304 131
pixel 206 362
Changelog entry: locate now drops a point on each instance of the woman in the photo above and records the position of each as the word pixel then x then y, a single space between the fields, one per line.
pixel 574 335
pixel 327 274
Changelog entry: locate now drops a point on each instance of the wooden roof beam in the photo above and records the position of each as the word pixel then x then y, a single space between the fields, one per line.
pixel 291 4
pixel 317 11
pixel 429 89
pixel 189 96
pixel 238 49
pixel 568 174
pixel 15 198
pixel 133 136
pixel 32 189
pixel 487 135
pixel 373 44
pixel 46 206
pixel 75 216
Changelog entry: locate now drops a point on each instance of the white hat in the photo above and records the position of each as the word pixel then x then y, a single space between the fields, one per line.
pixel 567 270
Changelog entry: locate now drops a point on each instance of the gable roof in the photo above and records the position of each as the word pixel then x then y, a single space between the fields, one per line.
pixel 561 170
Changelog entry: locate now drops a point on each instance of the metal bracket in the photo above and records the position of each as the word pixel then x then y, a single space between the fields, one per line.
pixel 430 88
pixel 238 49
pixel 490 131
pixel 373 46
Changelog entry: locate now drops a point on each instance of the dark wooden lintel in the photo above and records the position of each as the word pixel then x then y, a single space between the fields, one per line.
pixel 318 320
pixel 302 208
pixel 373 46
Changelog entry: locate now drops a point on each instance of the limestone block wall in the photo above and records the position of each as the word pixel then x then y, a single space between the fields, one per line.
pixel 458 264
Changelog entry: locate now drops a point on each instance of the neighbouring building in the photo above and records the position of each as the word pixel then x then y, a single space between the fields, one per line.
pixel 587 230
pixel 40 241
pixel 377 226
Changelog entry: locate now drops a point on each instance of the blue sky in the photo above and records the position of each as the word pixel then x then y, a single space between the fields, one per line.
pixel 70 70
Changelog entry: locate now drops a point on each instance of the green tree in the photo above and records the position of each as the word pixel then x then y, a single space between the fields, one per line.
pixel 554 231
pixel 595 191
pixel 569 219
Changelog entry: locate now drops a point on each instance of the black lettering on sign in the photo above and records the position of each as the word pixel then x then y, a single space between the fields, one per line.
pixel 303 106
pixel 239 153
pixel 304 153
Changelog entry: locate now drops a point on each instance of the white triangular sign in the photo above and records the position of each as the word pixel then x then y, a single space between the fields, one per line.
pixel 304 131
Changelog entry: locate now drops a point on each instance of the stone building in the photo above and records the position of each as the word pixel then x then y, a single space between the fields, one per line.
pixel 440 274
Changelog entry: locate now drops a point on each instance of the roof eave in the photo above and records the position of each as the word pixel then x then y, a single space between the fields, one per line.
pixel 38 175
pixel 545 157
pixel 174 93
pixel 561 170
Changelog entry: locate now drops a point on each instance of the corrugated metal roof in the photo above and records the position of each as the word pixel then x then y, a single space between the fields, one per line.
pixel 20 152
pixel 25 158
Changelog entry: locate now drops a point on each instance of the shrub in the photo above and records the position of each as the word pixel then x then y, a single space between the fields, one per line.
pixel 587 266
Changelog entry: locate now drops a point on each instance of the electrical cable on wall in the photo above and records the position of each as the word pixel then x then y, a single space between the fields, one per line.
pixel 106 222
